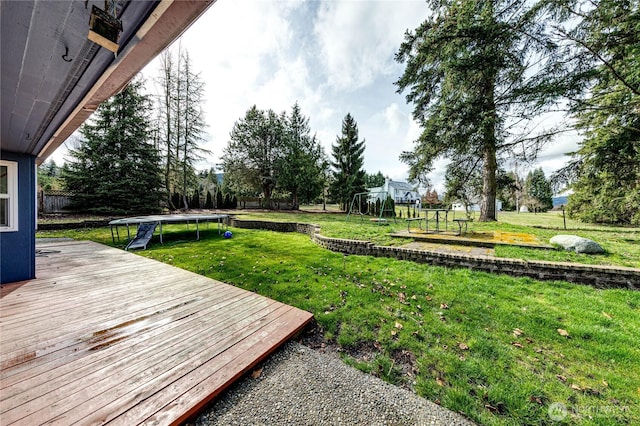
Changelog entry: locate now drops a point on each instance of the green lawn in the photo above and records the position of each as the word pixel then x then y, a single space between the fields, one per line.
pixel 484 345
pixel 622 245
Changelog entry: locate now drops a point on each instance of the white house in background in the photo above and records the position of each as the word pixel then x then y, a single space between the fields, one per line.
pixel 459 206
pixel 400 192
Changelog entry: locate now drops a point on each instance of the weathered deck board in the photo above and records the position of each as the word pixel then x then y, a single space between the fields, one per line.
pixel 105 336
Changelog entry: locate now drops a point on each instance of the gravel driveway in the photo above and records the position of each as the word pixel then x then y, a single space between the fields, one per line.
pixel 301 386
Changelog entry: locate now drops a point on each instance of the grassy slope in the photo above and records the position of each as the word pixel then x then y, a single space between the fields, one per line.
pixel 362 301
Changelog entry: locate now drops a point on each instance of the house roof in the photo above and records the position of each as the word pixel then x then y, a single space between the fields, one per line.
pixel 402 186
pixel 53 77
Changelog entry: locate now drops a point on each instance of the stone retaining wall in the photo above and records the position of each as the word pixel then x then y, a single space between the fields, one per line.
pixel 594 275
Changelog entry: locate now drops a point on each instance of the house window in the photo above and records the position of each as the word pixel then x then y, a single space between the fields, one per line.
pixel 8 196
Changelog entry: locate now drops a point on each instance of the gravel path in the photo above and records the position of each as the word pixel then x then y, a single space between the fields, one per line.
pixel 300 386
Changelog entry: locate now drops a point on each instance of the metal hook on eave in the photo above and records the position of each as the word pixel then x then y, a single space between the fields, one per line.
pixel 65 57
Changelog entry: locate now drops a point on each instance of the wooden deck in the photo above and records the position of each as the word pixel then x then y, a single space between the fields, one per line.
pixel 106 336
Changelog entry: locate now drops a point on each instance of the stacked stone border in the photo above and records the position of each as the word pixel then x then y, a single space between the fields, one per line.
pixel 595 275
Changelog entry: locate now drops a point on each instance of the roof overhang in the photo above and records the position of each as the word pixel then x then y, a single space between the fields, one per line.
pixel 46 97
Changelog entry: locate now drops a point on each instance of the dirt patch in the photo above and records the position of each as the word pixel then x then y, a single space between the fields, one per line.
pixel 406 360
pixel 450 248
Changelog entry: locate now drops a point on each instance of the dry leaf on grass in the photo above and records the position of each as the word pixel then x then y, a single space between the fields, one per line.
pixel 398 325
pixel 463 346
pixel 517 332
pixel 444 306
pixel 535 399
pixel 576 387
pixel 607 315
pixel 562 332
pixel 517 345
pixel 439 381
pixel 561 378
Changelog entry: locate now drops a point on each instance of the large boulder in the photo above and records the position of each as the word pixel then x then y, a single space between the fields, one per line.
pixel 577 244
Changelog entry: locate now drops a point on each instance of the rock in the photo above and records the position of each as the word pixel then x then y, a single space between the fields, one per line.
pixel 577 244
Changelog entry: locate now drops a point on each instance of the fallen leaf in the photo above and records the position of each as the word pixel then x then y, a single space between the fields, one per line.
pixel 517 345
pixel 401 297
pixel 535 399
pixel 562 332
pixel 444 306
pixel 393 332
pixel 491 408
pixel 256 373
pixel 528 340
pixel 398 325
pixel 439 381
pixel 517 332
pixel 604 382
pixel 414 297
pixel 437 401
pixel 463 347
pixel 561 378
pixel 576 387
pixel 607 315
pixel 445 347
pixel 429 298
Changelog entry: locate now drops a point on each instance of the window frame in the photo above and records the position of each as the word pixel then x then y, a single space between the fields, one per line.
pixel 11 195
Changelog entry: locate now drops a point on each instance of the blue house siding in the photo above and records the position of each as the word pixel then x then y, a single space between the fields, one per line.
pixel 18 249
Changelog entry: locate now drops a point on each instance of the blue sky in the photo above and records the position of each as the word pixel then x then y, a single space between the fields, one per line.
pixel 333 57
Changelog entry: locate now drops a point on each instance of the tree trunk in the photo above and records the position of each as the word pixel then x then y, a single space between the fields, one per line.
pixel 488 204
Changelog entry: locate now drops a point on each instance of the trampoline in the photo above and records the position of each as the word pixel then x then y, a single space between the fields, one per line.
pixel 158 220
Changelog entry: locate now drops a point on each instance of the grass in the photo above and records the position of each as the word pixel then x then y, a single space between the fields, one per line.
pixel 622 245
pixel 484 345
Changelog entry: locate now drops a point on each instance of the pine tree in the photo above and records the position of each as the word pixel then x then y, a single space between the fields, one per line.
pixel 471 67
pixel 116 169
pixel 602 57
pixel 300 167
pixel 348 160
pixel 538 190
pixel 254 153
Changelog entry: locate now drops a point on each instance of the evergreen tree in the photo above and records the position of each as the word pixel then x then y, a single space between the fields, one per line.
pixel 374 180
pixel 470 67
pixel 208 203
pixel 348 160
pixel 538 190
pixel 254 153
pixel 602 56
pixel 300 167
pixel 116 169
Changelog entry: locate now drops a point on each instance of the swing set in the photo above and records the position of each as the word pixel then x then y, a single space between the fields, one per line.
pixel 373 205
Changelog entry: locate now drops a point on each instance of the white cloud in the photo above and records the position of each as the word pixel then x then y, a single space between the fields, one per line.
pixel 357 39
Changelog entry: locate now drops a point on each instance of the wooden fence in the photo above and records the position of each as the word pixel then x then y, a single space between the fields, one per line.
pixel 53 201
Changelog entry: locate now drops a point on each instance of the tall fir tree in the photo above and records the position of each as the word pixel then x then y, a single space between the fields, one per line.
pixel 116 169
pixel 254 153
pixel 539 194
pixel 300 168
pixel 602 54
pixel 471 67
pixel 348 160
